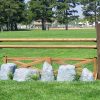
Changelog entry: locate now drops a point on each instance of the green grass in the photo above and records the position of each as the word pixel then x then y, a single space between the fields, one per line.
pixel 11 90
pixel 86 33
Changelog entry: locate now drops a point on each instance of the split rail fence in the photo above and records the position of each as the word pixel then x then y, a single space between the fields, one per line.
pixel 17 60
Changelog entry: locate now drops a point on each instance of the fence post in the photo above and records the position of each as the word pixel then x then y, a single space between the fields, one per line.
pixel 98 50
pixel 5 59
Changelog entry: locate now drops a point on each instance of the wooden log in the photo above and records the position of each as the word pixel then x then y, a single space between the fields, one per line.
pixel 98 49
pixel 61 62
pixel 33 63
pixel 47 39
pixel 22 58
pixel 5 59
pixel 70 59
pixel 50 46
pixel 19 63
pixel 48 59
pixel 95 68
pixel 83 62
pixel 53 59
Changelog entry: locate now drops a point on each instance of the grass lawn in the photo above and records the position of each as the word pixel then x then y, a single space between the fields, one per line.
pixel 11 90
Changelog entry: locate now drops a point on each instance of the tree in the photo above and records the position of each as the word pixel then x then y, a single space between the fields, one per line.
pixel 91 10
pixel 11 12
pixel 29 16
pixel 42 9
pixel 64 11
pixel 2 14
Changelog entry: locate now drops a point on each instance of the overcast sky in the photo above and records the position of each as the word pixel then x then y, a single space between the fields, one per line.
pixel 78 8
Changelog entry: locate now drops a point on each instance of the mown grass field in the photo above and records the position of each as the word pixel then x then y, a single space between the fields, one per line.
pixel 11 90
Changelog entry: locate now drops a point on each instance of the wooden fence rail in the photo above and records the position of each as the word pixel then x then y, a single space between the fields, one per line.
pixel 47 39
pixel 50 46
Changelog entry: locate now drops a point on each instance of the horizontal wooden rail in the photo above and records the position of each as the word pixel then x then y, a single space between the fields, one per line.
pixel 50 46
pixel 53 59
pixel 47 39
pixel 70 59
pixel 83 62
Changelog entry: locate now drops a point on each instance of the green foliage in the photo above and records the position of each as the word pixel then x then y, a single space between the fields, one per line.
pixel 91 10
pixel 64 11
pixel 77 77
pixel 10 75
pixel 55 76
pixel 11 13
pixel 42 9
pixel 35 77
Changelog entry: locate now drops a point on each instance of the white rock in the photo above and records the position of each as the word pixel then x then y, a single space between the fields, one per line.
pixel 86 75
pixel 66 73
pixel 24 74
pixel 7 69
pixel 47 72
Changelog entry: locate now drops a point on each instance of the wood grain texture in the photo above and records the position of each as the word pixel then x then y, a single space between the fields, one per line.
pixel 98 49
pixel 50 46
pixel 47 39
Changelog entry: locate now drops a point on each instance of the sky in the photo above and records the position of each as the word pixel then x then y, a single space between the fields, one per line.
pixel 78 8
pixel 26 0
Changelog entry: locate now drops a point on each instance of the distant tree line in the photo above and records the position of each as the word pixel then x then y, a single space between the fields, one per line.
pixel 13 12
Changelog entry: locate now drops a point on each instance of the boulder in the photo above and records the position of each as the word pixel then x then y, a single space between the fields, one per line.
pixel 24 74
pixel 47 72
pixel 86 75
pixel 7 70
pixel 66 73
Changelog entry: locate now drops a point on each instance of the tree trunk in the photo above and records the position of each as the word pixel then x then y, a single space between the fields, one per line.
pixel 0 28
pixel 43 24
pixel 26 26
pixel 12 27
pixel 95 13
pixel 66 27
pixel 7 25
pixel 16 28
pixel 29 26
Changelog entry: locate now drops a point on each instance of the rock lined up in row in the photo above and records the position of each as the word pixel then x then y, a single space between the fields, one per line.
pixel 24 74
pixel 47 72
pixel 65 73
pixel 6 70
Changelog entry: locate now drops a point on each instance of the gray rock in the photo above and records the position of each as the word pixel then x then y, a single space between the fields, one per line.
pixel 24 74
pixel 6 70
pixel 66 73
pixel 86 75
pixel 47 72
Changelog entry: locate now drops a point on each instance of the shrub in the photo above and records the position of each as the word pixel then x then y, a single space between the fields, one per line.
pixel 10 75
pixel 35 77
